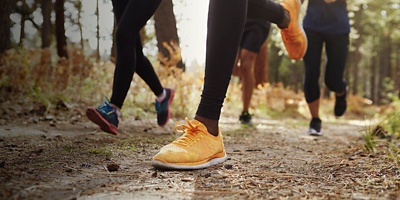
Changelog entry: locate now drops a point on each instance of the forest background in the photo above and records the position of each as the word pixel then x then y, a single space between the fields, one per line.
pixel 60 53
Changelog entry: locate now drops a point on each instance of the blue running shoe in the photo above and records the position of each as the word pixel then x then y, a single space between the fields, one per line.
pixel 105 116
pixel 162 108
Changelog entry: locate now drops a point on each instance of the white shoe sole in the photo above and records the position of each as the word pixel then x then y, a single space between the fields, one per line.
pixel 313 132
pixel 161 165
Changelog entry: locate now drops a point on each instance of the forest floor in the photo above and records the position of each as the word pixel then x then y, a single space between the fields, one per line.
pixel 68 157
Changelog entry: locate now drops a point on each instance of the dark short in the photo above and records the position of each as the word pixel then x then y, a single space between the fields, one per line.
pixel 254 35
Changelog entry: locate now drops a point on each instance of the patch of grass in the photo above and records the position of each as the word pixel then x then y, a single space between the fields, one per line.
pixel 128 146
pixel 369 139
pixel 394 153
pixel 244 131
pixel 391 119
pixel 101 151
pixel 69 148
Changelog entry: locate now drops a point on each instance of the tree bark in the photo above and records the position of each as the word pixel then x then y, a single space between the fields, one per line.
pixel 114 47
pixel 46 26
pixel 354 71
pixel 396 69
pixel 166 31
pixel 6 7
pixel 374 78
pixel 78 5
pixel 23 19
pixel 275 63
pixel 60 29
pixel 98 31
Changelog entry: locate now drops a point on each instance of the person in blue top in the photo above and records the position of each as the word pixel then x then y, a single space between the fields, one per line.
pixel 326 25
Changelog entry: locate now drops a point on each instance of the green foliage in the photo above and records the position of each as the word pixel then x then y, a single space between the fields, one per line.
pixel 369 139
pixel 101 151
pixel 391 121
pixel 69 148
pixel 394 152
pixel 128 146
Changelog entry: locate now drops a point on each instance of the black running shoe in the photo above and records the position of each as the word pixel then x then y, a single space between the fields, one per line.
pixel 245 119
pixel 315 127
pixel 162 108
pixel 341 104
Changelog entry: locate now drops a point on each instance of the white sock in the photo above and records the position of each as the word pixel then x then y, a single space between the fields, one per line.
pixel 119 114
pixel 162 97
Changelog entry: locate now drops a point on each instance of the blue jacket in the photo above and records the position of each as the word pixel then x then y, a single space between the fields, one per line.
pixel 327 18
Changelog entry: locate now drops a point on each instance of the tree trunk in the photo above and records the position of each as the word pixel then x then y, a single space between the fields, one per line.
pixel 397 69
pixel 46 26
pixel 98 31
pixel 60 29
pixel 24 13
pixel 275 62
pixel 355 61
pixel 384 68
pixel 6 6
pixel 78 6
pixel 113 47
pixel 167 34
pixel 374 77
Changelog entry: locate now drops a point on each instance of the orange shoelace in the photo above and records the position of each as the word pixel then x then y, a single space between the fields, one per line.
pixel 189 131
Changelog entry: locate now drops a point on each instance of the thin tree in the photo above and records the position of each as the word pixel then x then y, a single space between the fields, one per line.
pixel 114 47
pixel 60 29
pixel 24 13
pixel 46 26
pixel 6 7
pixel 98 31
pixel 78 5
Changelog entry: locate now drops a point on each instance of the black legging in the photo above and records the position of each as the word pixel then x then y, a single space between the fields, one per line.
pixel 336 47
pixel 265 9
pixel 226 19
pixel 131 16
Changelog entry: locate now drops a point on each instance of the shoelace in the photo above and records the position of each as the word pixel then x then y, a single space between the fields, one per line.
pixel 189 132
pixel 108 109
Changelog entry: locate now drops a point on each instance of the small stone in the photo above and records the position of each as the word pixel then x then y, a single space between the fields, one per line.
pixel 228 166
pixel 112 167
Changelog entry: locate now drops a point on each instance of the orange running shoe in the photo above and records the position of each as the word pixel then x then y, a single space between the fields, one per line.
pixel 293 36
pixel 195 149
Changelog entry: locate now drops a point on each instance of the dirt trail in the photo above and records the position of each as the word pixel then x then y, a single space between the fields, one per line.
pixel 274 160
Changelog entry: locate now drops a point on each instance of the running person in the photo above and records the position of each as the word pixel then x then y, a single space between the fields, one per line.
pixel 254 36
pixel 326 22
pixel 201 144
pixel 131 16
